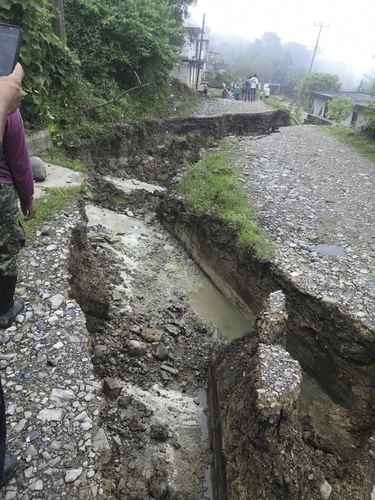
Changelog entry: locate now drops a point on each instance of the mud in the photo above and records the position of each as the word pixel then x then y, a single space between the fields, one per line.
pixel 291 400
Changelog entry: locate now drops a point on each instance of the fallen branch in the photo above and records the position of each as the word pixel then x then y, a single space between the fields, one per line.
pixel 116 99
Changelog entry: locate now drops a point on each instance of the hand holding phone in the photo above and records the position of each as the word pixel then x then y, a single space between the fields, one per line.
pixel 10 46
pixel 11 91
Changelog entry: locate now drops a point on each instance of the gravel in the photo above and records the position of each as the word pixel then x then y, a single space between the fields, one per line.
pixel 315 198
pixel 48 378
pixel 217 106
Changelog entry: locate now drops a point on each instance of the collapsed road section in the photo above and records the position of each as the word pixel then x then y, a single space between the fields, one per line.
pixel 277 427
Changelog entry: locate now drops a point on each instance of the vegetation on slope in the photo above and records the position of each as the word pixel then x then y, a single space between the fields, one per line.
pixel 78 86
pixel 213 186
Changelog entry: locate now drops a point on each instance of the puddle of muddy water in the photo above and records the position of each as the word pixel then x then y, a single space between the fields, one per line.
pixel 211 305
pixel 328 250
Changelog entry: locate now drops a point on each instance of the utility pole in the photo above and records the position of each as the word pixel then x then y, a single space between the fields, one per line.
pixel 321 26
pixel 60 18
pixel 200 51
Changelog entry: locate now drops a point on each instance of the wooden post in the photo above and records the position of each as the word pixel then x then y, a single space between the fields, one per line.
pixel 200 52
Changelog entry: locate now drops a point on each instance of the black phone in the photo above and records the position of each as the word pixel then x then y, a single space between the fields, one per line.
pixel 10 46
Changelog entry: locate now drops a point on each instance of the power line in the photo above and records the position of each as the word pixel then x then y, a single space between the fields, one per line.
pixel 321 26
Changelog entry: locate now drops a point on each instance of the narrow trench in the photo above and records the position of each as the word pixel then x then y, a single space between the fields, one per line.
pixel 163 285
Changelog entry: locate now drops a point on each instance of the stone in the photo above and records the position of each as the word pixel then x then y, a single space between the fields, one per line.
pixel 159 432
pixel 169 369
pixel 57 301
pixel 58 345
pixel 100 351
pixel 112 387
pixel 54 415
pixel 62 395
pixel 151 335
pixel 325 490
pixel 72 475
pixel 173 330
pixel 29 472
pixel 37 485
pixel 137 348
pixel 11 493
pixel 39 168
pixel 101 444
pixel 161 353
pixel 20 426
pixel 31 451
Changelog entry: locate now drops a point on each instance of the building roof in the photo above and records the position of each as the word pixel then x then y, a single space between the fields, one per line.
pixel 359 98
pixel 190 24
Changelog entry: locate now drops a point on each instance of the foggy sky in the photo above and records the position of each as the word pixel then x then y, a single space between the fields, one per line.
pixel 350 37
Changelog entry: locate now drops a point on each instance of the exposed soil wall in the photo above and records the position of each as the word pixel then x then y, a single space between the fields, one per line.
pixel 257 457
pixel 156 150
pixel 335 349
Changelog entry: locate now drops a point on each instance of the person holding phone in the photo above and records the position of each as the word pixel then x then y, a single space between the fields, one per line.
pixel 16 182
pixel 15 172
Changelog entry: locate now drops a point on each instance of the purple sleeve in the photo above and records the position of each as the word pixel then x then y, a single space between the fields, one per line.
pixel 18 160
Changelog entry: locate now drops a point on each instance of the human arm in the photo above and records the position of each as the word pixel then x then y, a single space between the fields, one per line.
pixel 10 96
pixel 18 161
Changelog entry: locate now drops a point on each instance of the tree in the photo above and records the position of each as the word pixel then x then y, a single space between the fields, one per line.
pixel 317 82
pixel 119 39
pixel 339 109
pixel 49 65
pixel 60 18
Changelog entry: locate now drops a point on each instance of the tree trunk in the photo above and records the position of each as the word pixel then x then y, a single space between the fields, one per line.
pixel 60 19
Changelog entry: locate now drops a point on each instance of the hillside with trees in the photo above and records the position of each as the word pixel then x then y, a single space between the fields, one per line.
pixel 274 61
pixel 76 84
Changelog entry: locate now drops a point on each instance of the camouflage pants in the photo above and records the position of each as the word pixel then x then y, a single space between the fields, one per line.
pixel 12 236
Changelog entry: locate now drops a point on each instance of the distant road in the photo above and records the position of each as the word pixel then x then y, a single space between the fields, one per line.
pixel 219 106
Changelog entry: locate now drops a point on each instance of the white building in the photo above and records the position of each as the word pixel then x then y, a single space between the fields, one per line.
pixel 187 70
pixel 357 118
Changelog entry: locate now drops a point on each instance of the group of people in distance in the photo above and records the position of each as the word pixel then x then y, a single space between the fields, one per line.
pixel 247 90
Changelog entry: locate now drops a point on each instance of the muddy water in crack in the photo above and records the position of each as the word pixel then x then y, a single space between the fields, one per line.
pixel 214 308
pixel 326 423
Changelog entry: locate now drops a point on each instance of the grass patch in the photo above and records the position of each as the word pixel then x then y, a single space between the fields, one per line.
pixel 276 103
pixel 47 207
pixel 361 143
pixel 57 157
pixel 295 111
pixel 213 186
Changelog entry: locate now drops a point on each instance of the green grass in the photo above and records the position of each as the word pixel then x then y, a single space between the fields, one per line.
pixel 296 112
pixel 55 201
pixel 275 103
pixel 58 157
pixel 364 145
pixel 213 186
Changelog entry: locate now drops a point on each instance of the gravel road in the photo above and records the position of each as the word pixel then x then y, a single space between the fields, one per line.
pixel 315 197
pixel 219 106
pixel 53 398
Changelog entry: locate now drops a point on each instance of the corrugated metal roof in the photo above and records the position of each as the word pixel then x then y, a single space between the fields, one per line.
pixel 358 98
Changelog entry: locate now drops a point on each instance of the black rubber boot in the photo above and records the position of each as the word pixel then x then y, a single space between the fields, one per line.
pixel 10 467
pixel 9 308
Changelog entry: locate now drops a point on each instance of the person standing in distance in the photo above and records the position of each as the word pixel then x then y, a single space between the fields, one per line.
pixel 248 89
pixel 254 84
pixel 15 179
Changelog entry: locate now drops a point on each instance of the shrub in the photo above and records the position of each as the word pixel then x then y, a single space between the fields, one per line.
pixel 49 65
pixel 317 82
pixel 339 109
